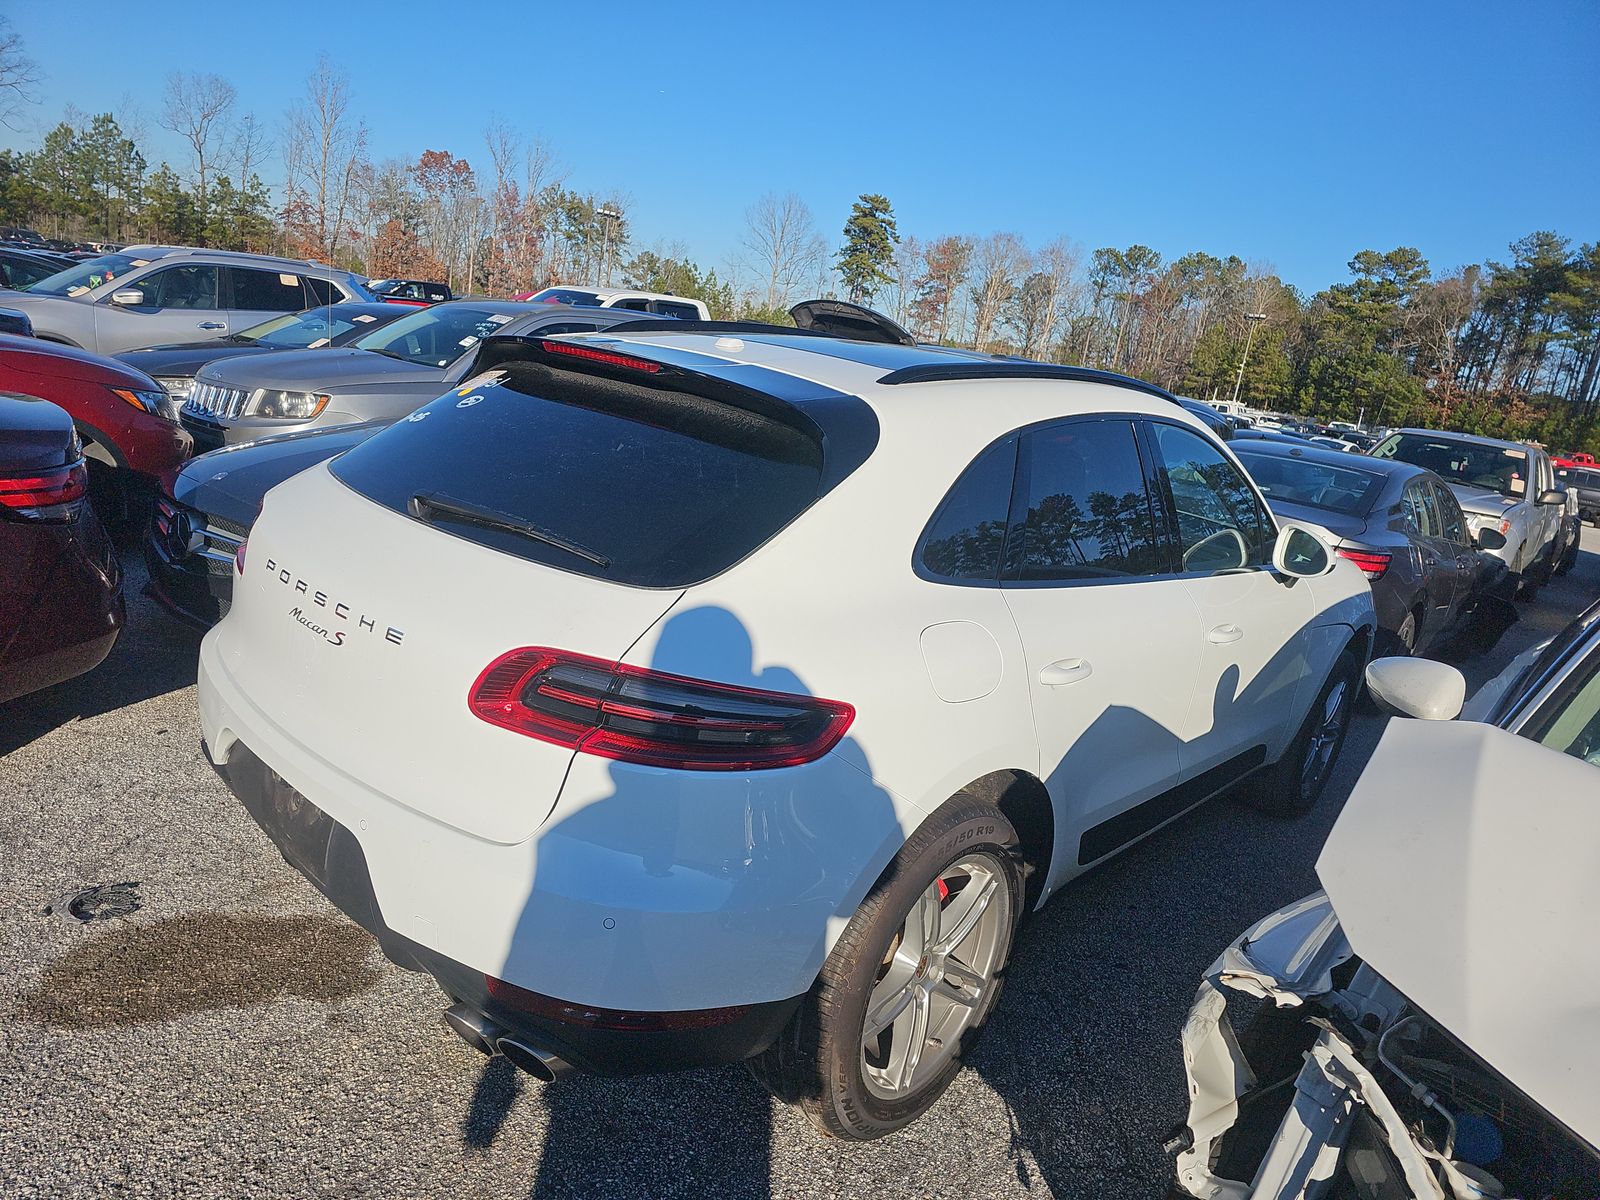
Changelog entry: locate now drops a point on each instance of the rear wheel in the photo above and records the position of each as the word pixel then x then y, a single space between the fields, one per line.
pixel 910 982
pixel 1295 783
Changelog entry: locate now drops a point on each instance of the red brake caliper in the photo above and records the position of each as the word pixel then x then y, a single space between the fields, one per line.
pixel 944 891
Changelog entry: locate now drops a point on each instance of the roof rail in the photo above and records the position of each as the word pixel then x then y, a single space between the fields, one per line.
pixel 653 324
pixel 1011 369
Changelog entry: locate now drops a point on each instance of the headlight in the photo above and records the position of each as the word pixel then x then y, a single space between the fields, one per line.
pixel 177 385
pixel 151 402
pixel 288 406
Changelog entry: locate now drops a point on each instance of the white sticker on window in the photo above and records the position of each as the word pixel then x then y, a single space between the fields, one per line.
pixel 77 291
pixel 1517 486
pixel 320 342
pixel 363 317
pixel 467 341
pixel 499 318
pixel 289 280
pixel 138 262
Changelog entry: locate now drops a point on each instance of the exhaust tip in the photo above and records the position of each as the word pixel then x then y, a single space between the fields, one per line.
pixel 541 1064
pixel 473 1028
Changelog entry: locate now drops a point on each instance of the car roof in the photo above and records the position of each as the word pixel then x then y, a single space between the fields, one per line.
pixel 1475 439
pixel 1017 392
pixel 1311 452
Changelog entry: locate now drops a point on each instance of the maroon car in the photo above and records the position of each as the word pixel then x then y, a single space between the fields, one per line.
pixel 60 585
pixel 128 423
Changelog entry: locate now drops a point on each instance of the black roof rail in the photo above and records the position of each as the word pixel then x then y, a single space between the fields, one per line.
pixel 1014 369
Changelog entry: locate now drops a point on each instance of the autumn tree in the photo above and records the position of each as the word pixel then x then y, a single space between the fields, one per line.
pixel 324 151
pixel 946 265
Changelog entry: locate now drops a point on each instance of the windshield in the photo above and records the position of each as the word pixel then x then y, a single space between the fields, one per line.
pixel 1317 485
pixel 434 337
pixel 1570 721
pixel 85 276
pixel 565 296
pixel 1469 463
pixel 302 330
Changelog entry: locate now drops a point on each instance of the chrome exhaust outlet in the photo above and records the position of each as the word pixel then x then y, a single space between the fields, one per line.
pixel 541 1064
pixel 473 1028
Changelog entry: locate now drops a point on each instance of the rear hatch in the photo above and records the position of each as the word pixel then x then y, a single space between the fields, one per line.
pixel 550 509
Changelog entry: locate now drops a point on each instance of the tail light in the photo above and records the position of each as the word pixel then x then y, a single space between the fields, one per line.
pixel 626 361
pixel 238 557
pixel 1372 563
pixel 641 716
pixel 54 495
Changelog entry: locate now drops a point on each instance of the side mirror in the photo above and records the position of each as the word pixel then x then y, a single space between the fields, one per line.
pixel 1301 554
pixel 1490 539
pixel 1552 496
pixel 130 297
pixel 1417 687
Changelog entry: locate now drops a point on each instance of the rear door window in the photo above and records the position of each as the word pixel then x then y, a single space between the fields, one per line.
pixel 1087 514
pixel 639 486
pixel 266 291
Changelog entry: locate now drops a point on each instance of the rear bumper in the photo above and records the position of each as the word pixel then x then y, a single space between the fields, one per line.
pixel 643 892
pixel 331 858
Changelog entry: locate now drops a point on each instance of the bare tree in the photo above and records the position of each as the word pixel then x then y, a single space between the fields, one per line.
pixel 783 244
pixel 18 75
pixel 997 263
pixel 196 108
pixel 324 151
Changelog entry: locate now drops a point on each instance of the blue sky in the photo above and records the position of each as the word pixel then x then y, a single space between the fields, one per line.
pixel 1292 135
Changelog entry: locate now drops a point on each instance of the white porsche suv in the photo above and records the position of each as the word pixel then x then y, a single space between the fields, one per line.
pixel 680 698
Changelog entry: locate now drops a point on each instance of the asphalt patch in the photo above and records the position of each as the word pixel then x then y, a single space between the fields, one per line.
pixel 132 974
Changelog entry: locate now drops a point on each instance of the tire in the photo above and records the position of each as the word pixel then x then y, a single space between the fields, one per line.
pixel 845 1082
pixel 1292 786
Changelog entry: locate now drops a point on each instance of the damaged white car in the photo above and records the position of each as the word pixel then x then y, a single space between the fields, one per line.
pixel 1428 1025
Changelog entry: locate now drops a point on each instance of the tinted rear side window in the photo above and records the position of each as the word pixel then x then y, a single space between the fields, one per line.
pixel 646 488
pixel 968 534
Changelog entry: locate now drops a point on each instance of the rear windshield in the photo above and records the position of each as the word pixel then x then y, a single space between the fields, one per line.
pixel 639 486
pixel 1340 489
pixel 565 296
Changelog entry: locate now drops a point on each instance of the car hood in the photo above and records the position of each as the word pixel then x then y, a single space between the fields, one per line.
pixel 319 370
pixel 39 357
pixel 1462 871
pixel 231 482
pixel 185 359
pixel 1482 500
pixel 1338 524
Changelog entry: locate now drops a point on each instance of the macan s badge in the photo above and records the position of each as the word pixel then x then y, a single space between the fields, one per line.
pixel 339 610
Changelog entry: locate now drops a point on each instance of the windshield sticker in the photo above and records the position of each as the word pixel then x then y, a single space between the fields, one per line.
pixel 1517 486
pixel 138 262
pixel 499 318
pixel 77 291
pixel 467 341
pixel 320 342
pixel 1517 454
pixel 364 317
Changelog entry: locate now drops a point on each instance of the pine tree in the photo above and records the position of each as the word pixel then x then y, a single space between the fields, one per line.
pixel 868 251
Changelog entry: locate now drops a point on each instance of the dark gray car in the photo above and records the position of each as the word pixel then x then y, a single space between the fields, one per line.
pixel 1585 482
pixel 384 374
pixel 1399 523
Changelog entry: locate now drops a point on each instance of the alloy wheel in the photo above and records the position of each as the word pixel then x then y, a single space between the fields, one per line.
pixel 1325 739
pixel 937 976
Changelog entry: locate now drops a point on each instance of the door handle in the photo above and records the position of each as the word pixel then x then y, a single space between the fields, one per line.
pixel 1223 634
pixel 211 325
pixel 1067 670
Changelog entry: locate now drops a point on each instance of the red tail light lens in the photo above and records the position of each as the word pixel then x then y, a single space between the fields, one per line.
pixel 572 350
pixel 238 557
pixel 636 715
pixel 54 495
pixel 1371 563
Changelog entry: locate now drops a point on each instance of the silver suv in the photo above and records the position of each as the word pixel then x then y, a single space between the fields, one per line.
pixel 151 295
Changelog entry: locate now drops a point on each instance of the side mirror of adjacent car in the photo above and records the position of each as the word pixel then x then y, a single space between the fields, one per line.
pixel 1489 539
pixel 1417 687
pixel 1300 554
pixel 130 297
pixel 1552 496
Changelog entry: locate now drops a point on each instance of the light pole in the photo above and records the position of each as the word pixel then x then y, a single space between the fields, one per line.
pixel 1252 319
pixel 608 216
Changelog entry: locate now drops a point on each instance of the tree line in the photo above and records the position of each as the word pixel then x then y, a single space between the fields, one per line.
pixel 1510 347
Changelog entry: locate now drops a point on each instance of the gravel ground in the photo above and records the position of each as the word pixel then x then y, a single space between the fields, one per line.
pixel 235 1036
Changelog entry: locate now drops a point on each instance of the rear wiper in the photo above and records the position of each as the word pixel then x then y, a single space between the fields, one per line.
pixel 425 504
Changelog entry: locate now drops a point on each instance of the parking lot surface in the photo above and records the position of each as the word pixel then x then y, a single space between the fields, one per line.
pixel 235 1036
